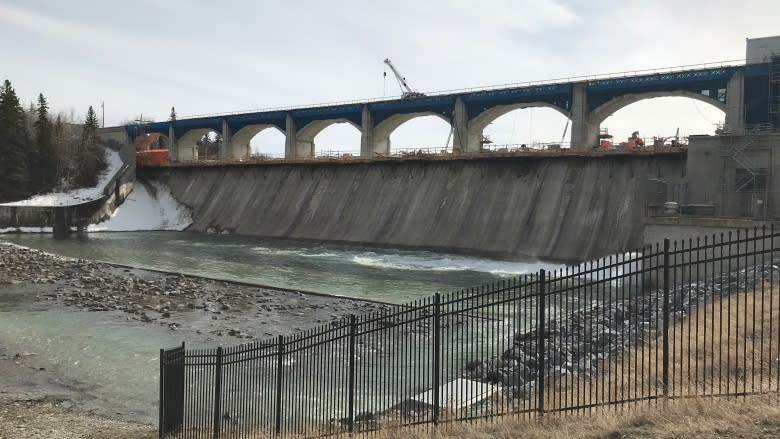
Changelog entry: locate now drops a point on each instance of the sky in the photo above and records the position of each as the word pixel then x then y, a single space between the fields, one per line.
pixel 139 58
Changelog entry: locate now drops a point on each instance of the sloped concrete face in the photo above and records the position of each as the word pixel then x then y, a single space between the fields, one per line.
pixel 570 208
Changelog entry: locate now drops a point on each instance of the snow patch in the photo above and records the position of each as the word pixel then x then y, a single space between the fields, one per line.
pixel 26 230
pixel 149 207
pixel 77 196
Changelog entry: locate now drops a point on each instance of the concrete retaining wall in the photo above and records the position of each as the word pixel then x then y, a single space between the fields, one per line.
pixel 25 216
pixel 567 208
pixel 115 192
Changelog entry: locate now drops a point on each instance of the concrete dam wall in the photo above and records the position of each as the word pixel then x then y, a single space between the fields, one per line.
pixel 564 208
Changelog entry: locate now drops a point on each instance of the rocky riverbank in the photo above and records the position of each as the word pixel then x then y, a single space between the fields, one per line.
pixel 221 309
pixel 38 363
pixel 584 342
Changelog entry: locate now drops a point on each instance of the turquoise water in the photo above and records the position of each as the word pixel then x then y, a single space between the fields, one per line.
pixel 114 362
pixel 381 274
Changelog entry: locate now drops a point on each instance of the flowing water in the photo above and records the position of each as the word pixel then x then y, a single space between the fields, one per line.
pixel 113 362
pixel 388 275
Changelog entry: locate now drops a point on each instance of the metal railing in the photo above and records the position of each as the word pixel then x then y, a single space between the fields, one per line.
pixel 507 150
pixel 763 205
pixel 560 80
pixel 675 320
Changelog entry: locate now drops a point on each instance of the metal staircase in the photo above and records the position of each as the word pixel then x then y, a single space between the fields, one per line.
pixel 737 151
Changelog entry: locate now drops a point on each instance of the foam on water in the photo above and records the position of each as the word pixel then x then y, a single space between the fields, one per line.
pixel 435 262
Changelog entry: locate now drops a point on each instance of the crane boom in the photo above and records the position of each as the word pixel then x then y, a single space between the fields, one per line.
pixel 406 91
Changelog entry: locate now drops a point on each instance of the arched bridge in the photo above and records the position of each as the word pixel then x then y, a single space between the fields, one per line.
pixel 739 90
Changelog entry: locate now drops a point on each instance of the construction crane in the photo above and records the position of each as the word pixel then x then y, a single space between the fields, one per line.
pixel 406 91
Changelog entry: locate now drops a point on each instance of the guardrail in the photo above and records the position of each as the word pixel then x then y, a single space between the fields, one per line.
pixel 538 150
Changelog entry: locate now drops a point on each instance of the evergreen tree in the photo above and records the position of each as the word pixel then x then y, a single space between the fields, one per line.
pixel 47 160
pixel 30 148
pixel 14 176
pixel 60 145
pixel 90 157
pixel 172 117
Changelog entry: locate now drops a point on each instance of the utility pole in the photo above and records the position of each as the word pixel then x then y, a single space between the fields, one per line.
pixel 103 108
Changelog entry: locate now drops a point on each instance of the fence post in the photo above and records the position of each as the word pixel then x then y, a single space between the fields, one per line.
pixel 162 392
pixel 181 372
pixel 279 364
pixel 352 334
pixel 218 395
pixel 666 320
pixel 436 355
pixel 540 311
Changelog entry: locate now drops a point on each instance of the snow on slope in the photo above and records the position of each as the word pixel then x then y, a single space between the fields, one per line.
pixel 144 211
pixel 77 196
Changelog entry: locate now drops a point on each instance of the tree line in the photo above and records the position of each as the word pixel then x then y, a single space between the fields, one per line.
pixel 41 153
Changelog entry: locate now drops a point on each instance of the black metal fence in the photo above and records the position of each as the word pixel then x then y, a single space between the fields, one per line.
pixel 678 319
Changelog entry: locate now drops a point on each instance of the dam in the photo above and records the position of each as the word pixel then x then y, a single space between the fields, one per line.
pixel 561 204
pixel 561 208
pixel 592 199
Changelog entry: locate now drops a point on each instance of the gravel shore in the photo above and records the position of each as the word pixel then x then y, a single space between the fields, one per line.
pixel 219 308
pixel 204 311
pixel 53 420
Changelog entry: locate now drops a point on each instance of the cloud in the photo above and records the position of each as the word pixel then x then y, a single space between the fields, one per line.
pixel 207 57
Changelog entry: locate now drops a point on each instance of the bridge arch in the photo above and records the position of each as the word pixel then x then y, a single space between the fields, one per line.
pixel 192 136
pixel 385 129
pixel 599 114
pixel 187 144
pixel 240 141
pixel 603 111
pixel 304 138
pixel 478 123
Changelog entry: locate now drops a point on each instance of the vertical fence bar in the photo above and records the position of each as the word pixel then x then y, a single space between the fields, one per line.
pixel 351 404
pixel 279 364
pixel 436 355
pixel 180 382
pixel 665 376
pixel 540 342
pixel 162 393
pixel 218 394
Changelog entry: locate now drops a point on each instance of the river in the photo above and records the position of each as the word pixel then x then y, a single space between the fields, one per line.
pixel 113 362
pixel 388 275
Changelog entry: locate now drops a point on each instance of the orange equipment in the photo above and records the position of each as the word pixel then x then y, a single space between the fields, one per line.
pixel 152 157
pixel 633 142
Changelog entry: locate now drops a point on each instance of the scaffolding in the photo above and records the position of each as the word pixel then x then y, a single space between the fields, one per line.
pixel 774 92
pixel 748 176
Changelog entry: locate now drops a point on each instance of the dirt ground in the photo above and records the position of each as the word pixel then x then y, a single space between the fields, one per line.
pixel 48 419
